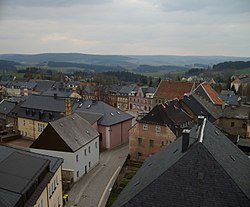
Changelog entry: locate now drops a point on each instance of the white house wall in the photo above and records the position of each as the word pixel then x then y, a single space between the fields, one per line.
pixel 71 162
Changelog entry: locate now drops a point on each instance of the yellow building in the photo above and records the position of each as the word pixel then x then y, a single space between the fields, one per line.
pixel 35 179
pixel 30 128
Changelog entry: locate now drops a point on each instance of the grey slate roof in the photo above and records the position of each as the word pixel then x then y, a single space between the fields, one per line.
pixel 240 112
pixel 20 84
pixel 6 107
pixel 125 90
pixel 47 103
pixel 229 97
pixel 43 85
pixel 62 93
pixel 111 115
pixel 19 169
pixel 197 108
pixel 75 131
pixel 211 172
pixel 90 117
pixel 170 114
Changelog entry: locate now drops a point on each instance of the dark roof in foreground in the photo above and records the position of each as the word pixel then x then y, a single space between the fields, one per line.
pixel 19 169
pixel 211 172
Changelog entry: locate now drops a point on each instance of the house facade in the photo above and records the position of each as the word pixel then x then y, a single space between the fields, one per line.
pixel 141 99
pixel 114 124
pixel 157 129
pixel 73 139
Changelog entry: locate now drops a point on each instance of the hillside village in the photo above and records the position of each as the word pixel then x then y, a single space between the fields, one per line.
pixel 61 130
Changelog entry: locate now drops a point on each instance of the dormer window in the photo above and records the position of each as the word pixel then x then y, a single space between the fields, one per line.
pixel 145 127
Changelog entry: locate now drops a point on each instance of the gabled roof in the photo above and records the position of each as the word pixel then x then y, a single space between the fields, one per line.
pixel 111 115
pixel 207 92
pixel 240 112
pixel 47 103
pixel 229 98
pixel 6 107
pixel 43 85
pixel 211 172
pixel 170 114
pixel 73 131
pixel 201 107
pixel 90 117
pixel 125 90
pixel 173 89
pixel 20 84
pixel 236 81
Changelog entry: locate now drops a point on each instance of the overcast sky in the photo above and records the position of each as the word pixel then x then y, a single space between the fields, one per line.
pixel 158 27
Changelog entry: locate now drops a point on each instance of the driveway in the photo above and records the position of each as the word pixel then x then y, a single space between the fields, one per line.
pixel 93 189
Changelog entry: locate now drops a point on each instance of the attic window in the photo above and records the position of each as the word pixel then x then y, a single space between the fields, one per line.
pixel 87 131
pixel 80 105
pixel 232 158
pixel 111 114
pixel 137 183
pixel 61 124
pixel 216 132
pixel 72 118
pixel 118 112
pixel 88 106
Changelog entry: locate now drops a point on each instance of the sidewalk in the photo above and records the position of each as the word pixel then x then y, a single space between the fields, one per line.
pixel 93 189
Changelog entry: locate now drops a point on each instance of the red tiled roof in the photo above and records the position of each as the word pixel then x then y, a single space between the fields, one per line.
pixel 212 94
pixel 173 89
pixel 237 80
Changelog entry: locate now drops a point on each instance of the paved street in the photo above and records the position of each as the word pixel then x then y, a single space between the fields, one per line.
pixel 92 190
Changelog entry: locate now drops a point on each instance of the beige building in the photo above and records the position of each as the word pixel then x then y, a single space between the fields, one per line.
pixel 157 129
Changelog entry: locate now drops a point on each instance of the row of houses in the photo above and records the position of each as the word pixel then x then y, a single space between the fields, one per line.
pixel 166 121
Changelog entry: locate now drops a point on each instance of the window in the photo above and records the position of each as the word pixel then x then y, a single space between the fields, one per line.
pixel 77 158
pixel 139 141
pixel 232 124
pixel 40 127
pixel 162 143
pixel 139 154
pixel 145 127
pixel 95 144
pixel 40 203
pixel 77 173
pixel 89 164
pixel 85 152
pixel 158 128
pixel 89 149
pixel 244 125
pixel 23 122
pixel 151 143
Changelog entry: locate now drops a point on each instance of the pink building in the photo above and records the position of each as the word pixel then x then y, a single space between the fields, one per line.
pixel 141 99
pixel 112 123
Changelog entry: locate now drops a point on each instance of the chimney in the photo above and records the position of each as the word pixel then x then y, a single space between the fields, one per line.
pixel 200 119
pixel 185 139
pixel 67 107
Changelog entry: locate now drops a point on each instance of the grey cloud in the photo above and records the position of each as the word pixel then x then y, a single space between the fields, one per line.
pixel 233 6
pixel 51 3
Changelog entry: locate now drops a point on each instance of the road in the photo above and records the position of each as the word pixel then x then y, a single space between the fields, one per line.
pixel 93 189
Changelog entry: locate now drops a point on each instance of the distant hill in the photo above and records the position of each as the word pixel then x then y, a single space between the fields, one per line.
pixel 8 65
pixel 70 57
pixel 125 61
pixel 236 65
pixel 151 68
pixel 88 67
